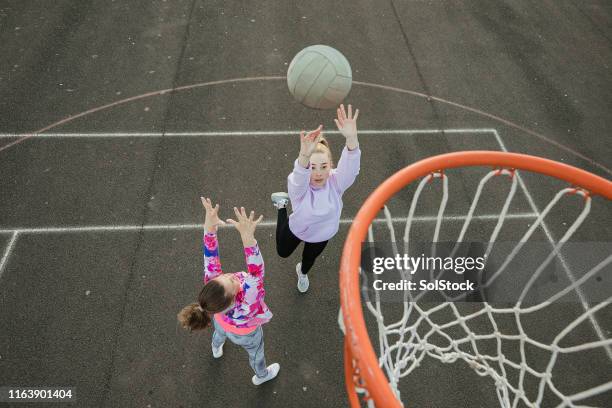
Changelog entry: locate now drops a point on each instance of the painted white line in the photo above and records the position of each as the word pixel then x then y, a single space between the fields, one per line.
pixel 27 136
pixel 382 132
pixel 7 251
pixel 568 271
pixel 267 224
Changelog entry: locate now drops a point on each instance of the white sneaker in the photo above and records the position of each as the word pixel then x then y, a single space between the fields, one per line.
pixel 217 352
pixel 272 373
pixel 280 200
pixel 303 282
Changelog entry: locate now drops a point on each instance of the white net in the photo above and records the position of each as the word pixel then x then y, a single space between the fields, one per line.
pixel 526 367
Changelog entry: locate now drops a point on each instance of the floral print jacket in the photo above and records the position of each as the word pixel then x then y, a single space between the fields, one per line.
pixel 249 308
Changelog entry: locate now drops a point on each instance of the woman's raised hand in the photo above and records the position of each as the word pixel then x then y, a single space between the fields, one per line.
pixel 347 125
pixel 211 215
pixel 308 141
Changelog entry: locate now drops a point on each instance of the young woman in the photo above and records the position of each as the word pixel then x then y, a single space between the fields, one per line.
pixel 315 190
pixel 232 302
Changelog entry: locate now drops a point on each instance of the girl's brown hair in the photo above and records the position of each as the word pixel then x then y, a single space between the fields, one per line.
pixel 323 147
pixel 212 299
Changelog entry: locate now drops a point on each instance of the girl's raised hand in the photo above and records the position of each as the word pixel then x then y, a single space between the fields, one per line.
pixel 245 225
pixel 308 141
pixel 211 216
pixel 347 124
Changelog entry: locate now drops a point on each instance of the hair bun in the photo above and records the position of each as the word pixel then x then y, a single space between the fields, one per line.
pixel 324 142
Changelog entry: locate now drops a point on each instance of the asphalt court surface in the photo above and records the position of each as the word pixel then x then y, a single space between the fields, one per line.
pixel 107 210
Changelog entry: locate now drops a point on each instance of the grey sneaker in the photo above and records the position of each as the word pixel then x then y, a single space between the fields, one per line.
pixel 303 282
pixel 217 352
pixel 272 373
pixel 280 200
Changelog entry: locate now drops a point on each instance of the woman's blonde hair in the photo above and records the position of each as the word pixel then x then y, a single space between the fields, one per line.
pixel 323 147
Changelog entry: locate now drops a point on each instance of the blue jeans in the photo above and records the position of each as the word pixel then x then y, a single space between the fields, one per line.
pixel 253 343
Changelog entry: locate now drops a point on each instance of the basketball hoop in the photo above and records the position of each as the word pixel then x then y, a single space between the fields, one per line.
pixel 364 370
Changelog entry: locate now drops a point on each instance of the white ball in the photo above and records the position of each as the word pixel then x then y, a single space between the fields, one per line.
pixel 319 77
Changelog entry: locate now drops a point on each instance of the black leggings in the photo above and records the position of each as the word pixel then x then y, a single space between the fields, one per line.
pixel 286 243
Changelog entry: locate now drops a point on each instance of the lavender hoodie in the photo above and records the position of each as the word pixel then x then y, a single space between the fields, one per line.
pixel 316 210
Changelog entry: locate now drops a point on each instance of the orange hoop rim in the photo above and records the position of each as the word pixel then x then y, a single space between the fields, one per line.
pixel 358 348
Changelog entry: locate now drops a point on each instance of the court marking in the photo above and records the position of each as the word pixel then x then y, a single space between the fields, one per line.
pixel 265 224
pixel 7 251
pixel 191 227
pixel 104 135
pixel 26 136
